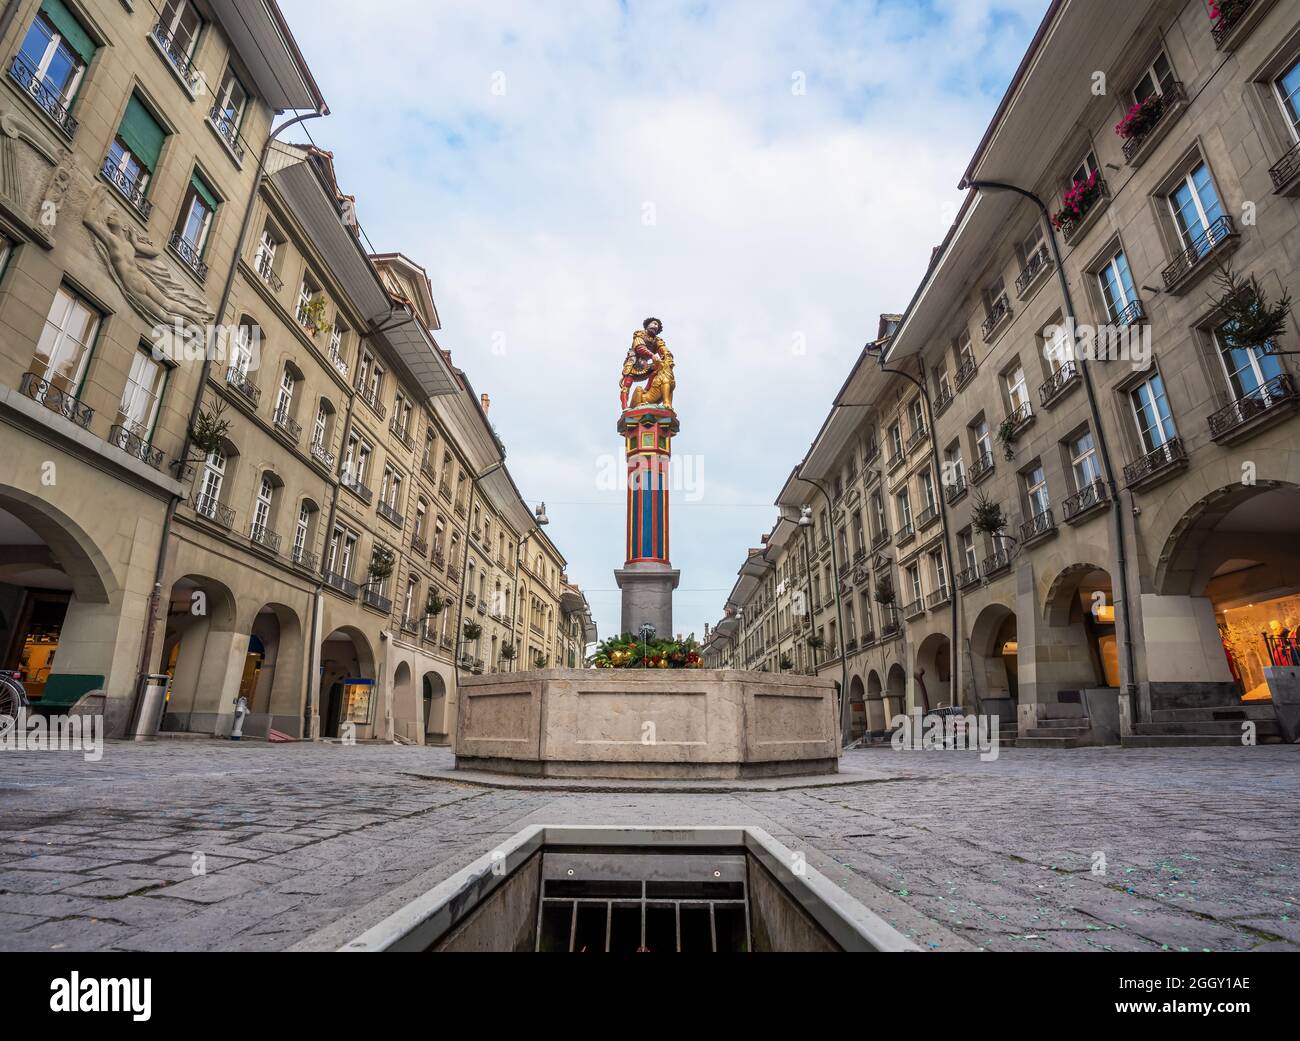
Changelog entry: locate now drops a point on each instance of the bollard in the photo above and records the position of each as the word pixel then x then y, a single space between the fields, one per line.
pixel 241 710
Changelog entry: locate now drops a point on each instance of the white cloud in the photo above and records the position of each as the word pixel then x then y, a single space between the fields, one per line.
pixel 777 216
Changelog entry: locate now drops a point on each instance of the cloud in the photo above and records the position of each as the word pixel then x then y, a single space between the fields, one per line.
pixel 564 170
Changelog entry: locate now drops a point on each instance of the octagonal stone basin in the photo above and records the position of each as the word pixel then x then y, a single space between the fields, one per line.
pixel 647 724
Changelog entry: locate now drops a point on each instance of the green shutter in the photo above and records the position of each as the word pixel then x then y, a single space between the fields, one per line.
pixel 205 193
pixel 142 134
pixel 69 28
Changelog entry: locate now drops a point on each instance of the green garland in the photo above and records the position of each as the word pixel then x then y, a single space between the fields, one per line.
pixel 631 652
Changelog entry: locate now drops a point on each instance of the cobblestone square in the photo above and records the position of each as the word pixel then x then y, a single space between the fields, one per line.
pixel 307 845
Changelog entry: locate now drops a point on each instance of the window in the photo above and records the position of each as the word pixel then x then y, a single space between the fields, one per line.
pixel 245 340
pixel 320 431
pixel 421 512
pixel 179 20
pixel 196 219
pixel 878 514
pixel 284 400
pixel 966 547
pixel 1247 370
pixel 939 571
pixel 426 460
pixel 1036 490
pixel 262 509
pixel 1117 288
pixel 306 293
pixel 53 58
pixel 965 354
pixel 896 439
pixel 1017 389
pixel 1083 461
pixel 301 531
pixel 1085 169
pixel 954 466
pixel 133 156
pixel 927 488
pixel 336 340
pixel 1157 78
pixel 983 441
pixel 214 475
pixel 408 605
pixel 914 582
pixel 1151 410
pixel 1195 206
pixel 342 550
pixel 356 459
pixel 993 296
pixel 66 341
pixel 267 246
pixel 904 503
pixel 144 386
pixel 228 112
pixel 916 416
pixel 1288 95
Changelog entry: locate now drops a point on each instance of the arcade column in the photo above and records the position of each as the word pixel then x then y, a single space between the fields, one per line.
pixel 647 579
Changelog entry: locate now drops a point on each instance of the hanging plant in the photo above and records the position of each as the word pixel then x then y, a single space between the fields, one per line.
pixel 507 652
pixel 1248 319
pixel 885 595
pixel 433 607
pixel 540 661
pixel 816 642
pixel 313 316
pixel 1007 435
pixel 473 631
pixel 382 563
pixel 210 430
pixel 787 663
pixel 987 516
pixel 1227 11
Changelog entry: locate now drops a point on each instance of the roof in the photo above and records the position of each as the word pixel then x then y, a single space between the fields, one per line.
pixel 260 36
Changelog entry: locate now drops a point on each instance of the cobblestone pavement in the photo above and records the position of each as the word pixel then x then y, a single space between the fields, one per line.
pixel 307 845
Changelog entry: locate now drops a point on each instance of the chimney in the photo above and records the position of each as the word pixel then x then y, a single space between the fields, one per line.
pixel 487 404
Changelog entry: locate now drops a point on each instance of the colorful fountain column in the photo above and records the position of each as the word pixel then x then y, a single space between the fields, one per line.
pixel 647 578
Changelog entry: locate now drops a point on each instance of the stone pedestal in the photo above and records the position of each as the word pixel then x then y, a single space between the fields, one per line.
pixel 648 597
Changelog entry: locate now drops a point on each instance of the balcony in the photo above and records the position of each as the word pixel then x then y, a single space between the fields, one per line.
pixel 1063 379
pixel 880 539
pixel 287 425
pixel 238 379
pixel 966 372
pixel 1018 419
pixel 419 546
pixel 399 432
pixel 207 507
pixel 264 265
pixel 1131 315
pixel 1037 528
pixel 260 535
pixel 945 398
pixel 460 508
pixel 969 577
pixel 996 563
pixel 371 597
pixel 453 573
pixel 353 484
pixel 890 625
pixel 917 438
pixel 1286 172
pixel 915 608
pixel 895 461
pixel 370 395
pixel 868 640
pixel 341 584
pixel 1236 21
pixel 1155 465
pixel 871 453
pixel 336 359
pixel 1085 501
pixel 56 400
pixel 49 101
pixel 1218 239
pixel 999 315
pixel 470 599
pixel 1163 113
pixel 982 468
pixel 129 188
pixel 410 627
pixel 178 59
pixel 225 128
pixel 322 455
pixel 938 598
pixel 1253 411
pixel 390 514
pixel 482 607
pixel 446 642
pixel 851 645
pixel 957 489
pixel 1073 225
pixel 1035 267
pixel 905 534
pixel 437 559
pixel 929 516
pixel 135 446
pixel 305 559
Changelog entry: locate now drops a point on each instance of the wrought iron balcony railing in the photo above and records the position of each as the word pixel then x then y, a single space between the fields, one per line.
pixel 918 436
pixel 1209 241
pixel 340 365
pixel 998 313
pixel 305 559
pixel 943 399
pixel 287 425
pixel 1277 391
pixel 995 563
pixel 135 446
pixel 1072 225
pixel 982 467
pixel 419 545
pixel 1171 97
pixel 129 188
pixel 178 57
pixel 322 455
pixel 49 100
pixel 966 372
pixel 370 395
pixel 1170 454
pixel 238 379
pixel 227 129
pixel 881 538
pixel 341 584
pixel 957 488
pixel 371 597
pixel 968 577
pixel 1060 381
pixel 1085 499
pixel 1226 22
pixel 262 536
pixel 354 484
pixel 928 516
pixel 938 597
pixel 56 400
pixel 906 533
pixel 1286 169
pixel 391 515
pixel 264 265
pixel 1037 263
pixel 399 432
pixel 1039 525
pixel 915 608
pixel 208 507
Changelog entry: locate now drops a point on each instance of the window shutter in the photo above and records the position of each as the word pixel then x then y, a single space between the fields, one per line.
pixel 204 192
pixel 142 134
pixel 69 28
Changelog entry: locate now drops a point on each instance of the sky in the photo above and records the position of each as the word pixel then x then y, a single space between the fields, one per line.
pixel 765 177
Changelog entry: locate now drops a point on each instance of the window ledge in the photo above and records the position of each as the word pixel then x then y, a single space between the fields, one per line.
pixel 236 155
pixel 171 67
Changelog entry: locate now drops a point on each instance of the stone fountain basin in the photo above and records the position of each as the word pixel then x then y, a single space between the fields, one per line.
pixel 647 724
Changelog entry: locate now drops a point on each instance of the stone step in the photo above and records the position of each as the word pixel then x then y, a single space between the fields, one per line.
pixel 1058 740
pixel 1263 728
pixel 1258 711
pixel 1181 741
pixel 1065 723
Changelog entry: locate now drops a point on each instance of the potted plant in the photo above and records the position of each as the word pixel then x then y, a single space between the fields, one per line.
pixel 382 562
pixel 1141 117
pixel 816 642
pixel 987 517
pixel 885 595
pixel 1249 320
pixel 507 652
pixel 312 316
pixel 1225 12
pixel 434 605
pixel 540 661
pixel 1007 434
pixel 787 663
pixel 472 631
pixel 1077 201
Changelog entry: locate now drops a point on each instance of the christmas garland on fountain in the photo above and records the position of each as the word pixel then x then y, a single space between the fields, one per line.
pixel 631 652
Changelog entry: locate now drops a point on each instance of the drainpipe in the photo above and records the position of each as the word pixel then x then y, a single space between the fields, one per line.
pixel 807 567
pixel 1121 552
pixel 947 532
pixel 155 597
pixel 845 708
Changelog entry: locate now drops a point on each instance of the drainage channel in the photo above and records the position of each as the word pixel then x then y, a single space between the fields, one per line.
pixel 627 890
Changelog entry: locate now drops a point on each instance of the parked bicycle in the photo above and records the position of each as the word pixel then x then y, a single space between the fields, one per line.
pixel 13 695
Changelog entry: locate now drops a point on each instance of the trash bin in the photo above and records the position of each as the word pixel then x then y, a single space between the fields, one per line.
pixel 151 706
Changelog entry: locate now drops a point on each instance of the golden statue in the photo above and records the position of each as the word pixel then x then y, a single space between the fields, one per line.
pixel 648 359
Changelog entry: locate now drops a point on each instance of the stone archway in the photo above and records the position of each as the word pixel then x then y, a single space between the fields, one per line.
pixel 895 692
pixel 1078 646
pixel 348 689
pixel 877 717
pixel 436 723
pixel 995 656
pixel 934 670
pixel 406 713
pixel 857 709
pixel 273 678
pixel 204 654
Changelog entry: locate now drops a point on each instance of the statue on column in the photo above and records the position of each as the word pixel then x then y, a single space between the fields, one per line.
pixel 648 360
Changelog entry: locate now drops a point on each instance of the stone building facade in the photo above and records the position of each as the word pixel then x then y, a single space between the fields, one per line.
pixel 1143 571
